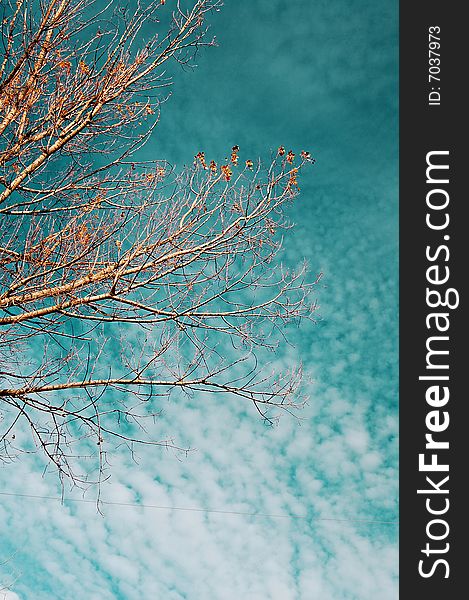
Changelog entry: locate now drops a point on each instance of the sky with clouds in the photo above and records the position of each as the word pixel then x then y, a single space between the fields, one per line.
pixel 321 76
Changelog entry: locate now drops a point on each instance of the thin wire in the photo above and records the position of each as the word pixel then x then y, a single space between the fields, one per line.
pixel 192 509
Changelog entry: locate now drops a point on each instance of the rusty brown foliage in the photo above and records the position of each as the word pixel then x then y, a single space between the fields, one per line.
pixel 122 281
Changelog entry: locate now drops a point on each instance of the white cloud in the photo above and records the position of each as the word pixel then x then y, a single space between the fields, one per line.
pixel 341 462
pixel 241 466
pixel 8 595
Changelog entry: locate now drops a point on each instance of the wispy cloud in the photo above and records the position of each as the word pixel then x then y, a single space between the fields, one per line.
pixel 323 89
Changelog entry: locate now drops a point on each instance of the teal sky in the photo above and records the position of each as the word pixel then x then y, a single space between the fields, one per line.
pixel 320 76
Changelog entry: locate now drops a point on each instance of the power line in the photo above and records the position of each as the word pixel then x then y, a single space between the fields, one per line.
pixel 200 510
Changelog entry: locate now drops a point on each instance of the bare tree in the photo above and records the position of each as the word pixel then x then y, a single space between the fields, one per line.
pixel 120 280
